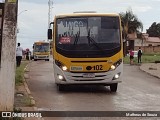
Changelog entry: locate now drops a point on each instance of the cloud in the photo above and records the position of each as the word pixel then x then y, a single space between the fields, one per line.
pixel 141 8
pixel 34 1
pixel 33 23
pixel 53 1
pixel 156 0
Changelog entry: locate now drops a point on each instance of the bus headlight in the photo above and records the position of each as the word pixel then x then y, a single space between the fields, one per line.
pixel 116 76
pixel 113 67
pixel 64 68
pixel 61 65
pixel 116 64
pixel 60 77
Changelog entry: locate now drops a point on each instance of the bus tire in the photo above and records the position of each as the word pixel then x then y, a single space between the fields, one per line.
pixel 47 60
pixel 60 87
pixel 113 87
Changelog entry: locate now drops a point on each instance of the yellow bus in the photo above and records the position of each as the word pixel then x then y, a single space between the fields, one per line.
pixel 41 51
pixel 87 49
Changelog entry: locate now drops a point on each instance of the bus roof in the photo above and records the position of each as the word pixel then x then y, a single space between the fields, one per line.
pixel 86 14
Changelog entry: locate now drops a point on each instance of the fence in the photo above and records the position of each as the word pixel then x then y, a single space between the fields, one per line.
pixel 149 49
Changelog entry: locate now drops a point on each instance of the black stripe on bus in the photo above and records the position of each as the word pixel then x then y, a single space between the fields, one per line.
pixel 90 61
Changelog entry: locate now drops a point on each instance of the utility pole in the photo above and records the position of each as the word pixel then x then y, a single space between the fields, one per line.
pixel 50 3
pixel 7 65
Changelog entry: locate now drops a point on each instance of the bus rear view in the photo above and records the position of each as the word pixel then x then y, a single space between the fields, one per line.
pixel 87 50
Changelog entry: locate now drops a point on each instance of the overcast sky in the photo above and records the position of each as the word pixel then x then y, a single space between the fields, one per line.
pixel 33 23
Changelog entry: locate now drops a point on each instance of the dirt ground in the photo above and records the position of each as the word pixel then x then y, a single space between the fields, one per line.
pixel 21 98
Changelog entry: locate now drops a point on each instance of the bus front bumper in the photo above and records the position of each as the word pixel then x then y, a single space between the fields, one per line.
pixel 102 78
pixel 41 57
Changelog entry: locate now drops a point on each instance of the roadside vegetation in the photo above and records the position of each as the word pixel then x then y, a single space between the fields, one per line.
pixel 20 73
pixel 21 97
pixel 146 58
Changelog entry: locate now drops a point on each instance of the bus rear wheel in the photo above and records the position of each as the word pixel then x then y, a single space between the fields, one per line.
pixel 113 87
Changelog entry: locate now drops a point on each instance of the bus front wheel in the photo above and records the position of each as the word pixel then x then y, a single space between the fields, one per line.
pixel 113 87
pixel 47 60
pixel 60 87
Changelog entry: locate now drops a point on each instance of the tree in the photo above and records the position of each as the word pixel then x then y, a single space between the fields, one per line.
pixel 154 30
pixel 7 63
pixel 130 24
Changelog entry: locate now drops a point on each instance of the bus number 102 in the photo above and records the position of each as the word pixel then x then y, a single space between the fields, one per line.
pixel 97 67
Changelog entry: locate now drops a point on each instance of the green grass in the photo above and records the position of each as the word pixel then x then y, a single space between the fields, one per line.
pixel 151 54
pixel 20 73
pixel 146 58
pixel 28 102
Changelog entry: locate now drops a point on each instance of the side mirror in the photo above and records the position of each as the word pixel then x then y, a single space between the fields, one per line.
pixel 49 33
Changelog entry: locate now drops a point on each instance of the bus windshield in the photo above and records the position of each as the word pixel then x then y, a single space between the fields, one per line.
pixel 43 47
pixel 88 34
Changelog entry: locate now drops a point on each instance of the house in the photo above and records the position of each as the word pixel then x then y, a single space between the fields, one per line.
pixel 131 40
pixel 148 44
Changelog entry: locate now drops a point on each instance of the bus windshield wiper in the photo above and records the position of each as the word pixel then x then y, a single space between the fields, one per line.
pixel 77 38
pixel 90 39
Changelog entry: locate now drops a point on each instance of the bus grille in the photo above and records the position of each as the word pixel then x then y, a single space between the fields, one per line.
pixel 80 77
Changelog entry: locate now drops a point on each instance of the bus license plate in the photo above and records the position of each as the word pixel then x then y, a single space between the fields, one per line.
pixel 88 75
